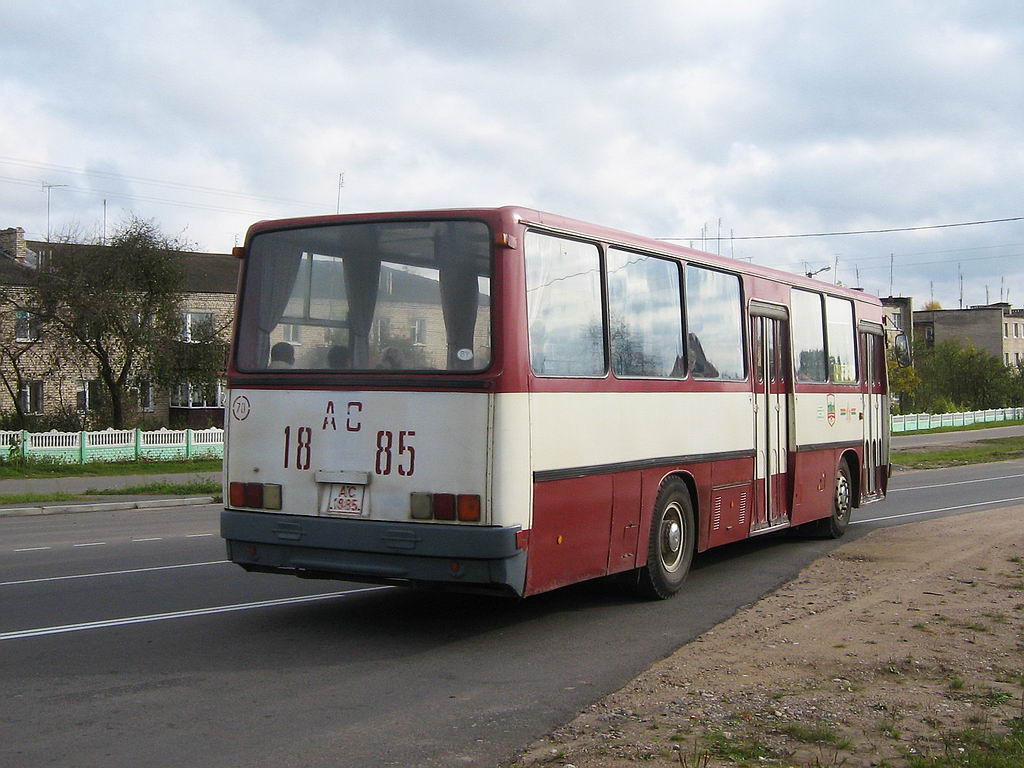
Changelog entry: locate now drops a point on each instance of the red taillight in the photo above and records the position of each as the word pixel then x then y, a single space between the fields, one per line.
pixel 257 495
pixel 444 506
pixel 254 494
pixel 469 508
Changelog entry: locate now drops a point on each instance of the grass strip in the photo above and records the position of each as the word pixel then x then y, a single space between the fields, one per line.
pixel 978 748
pixel 202 487
pixel 36 498
pixel 37 467
pixel 980 452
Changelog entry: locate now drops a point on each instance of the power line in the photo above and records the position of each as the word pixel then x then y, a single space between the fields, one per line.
pixel 860 231
pixel 144 198
pixel 146 180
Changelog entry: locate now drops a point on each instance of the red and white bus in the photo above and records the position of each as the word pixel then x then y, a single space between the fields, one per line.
pixel 506 400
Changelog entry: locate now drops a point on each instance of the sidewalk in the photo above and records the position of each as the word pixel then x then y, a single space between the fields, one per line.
pixel 98 503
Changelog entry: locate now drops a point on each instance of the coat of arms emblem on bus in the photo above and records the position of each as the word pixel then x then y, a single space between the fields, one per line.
pixel 830 410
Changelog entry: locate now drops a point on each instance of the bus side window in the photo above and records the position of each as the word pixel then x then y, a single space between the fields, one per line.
pixel 563 300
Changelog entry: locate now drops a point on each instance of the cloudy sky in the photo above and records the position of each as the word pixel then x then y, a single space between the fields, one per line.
pixel 665 118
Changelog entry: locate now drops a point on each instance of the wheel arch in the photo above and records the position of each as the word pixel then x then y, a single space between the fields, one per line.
pixel 698 518
pixel 852 460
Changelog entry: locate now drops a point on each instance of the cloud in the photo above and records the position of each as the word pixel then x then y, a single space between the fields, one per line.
pixel 772 117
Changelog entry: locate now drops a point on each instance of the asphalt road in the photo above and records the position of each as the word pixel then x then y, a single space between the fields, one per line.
pixel 126 640
pixel 952 438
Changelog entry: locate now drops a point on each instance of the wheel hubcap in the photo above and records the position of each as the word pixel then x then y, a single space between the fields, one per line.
pixel 842 496
pixel 671 539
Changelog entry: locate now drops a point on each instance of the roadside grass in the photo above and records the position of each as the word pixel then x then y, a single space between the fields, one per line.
pixel 193 488
pixel 36 498
pixel 199 487
pixel 41 467
pixel 977 748
pixel 965 428
pixel 980 452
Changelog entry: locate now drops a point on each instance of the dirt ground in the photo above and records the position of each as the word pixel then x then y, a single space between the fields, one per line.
pixel 873 653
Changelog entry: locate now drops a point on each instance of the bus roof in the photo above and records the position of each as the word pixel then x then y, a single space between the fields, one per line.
pixel 520 214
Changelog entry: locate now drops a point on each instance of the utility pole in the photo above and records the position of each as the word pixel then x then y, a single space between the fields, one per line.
pixel 103 240
pixel 48 187
pixel 890 273
pixel 341 183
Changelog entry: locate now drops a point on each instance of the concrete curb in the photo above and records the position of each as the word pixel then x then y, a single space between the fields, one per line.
pixel 105 506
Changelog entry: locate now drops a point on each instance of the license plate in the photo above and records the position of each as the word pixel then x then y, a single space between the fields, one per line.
pixel 346 499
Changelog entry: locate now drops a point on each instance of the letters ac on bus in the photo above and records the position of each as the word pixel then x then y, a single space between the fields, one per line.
pixel 510 401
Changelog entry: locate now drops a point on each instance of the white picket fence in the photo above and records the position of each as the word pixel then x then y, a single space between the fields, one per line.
pixel 115 444
pixel 912 421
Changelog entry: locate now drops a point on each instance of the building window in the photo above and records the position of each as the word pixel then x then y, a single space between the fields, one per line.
pixel 145 393
pixel 188 395
pixel 87 396
pixel 292 333
pixel 1006 330
pixel 1006 355
pixel 1016 330
pixel 193 324
pixel 419 332
pixel 897 322
pixel 383 329
pixel 30 397
pixel 26 327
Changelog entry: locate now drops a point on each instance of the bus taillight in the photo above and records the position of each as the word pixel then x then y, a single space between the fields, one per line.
pixel 255 495
pixel 464 507
pixel 469 508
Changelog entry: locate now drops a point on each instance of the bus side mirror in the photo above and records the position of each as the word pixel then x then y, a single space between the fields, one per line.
pixel 901 349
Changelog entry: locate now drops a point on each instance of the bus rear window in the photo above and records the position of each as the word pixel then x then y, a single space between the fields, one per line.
pixel 398 296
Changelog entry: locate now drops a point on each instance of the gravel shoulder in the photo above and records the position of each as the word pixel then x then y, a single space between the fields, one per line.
pixel 873 653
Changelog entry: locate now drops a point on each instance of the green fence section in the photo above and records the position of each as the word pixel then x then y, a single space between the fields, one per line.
pixel 912 421
pixel 115 444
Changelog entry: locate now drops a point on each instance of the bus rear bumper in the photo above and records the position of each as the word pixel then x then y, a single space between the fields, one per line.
pixel 448 556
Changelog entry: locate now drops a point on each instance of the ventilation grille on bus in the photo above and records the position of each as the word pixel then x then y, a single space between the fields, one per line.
pixel 743 508
pixel 716 514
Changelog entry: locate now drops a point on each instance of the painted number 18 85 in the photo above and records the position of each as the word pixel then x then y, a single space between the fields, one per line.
pixel 392 453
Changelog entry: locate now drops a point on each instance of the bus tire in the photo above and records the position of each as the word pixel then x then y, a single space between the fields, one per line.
pixel 671 543
pixel 834 526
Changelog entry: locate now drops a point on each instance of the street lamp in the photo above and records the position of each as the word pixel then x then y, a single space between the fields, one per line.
pixel 826 268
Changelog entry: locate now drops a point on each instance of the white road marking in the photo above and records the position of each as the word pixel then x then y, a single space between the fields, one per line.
pixel 154 538
pixel 198 535
pixel 32 549
pixel 91 544
pixel 39 632
pixel 961 482
pixel 111 573
pixel 936 511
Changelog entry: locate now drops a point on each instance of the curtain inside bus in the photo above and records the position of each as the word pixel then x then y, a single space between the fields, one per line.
pixel 412 296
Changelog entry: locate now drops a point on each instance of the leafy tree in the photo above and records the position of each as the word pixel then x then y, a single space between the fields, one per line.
pixel 961 376
pixel 117 307
pixel 904 383
pixel 931 305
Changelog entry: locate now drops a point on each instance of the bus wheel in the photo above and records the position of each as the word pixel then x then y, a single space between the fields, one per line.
pixel 835 525
pixel 671 545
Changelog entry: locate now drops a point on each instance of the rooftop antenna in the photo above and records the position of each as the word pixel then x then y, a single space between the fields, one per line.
pixel 961 274
pixel 986 296
pixel 48 187
pixel 856 270
pixel 835 270
pixel 103 240
pixel 931 289
pixel 890 273
pixel 341 183
pixel 719 236
pixel 732 244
